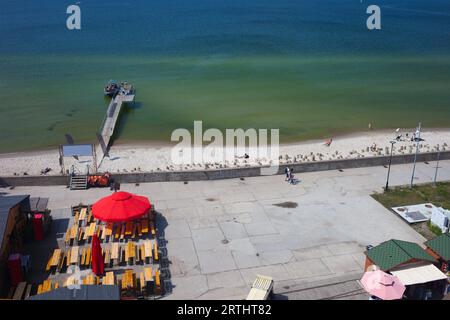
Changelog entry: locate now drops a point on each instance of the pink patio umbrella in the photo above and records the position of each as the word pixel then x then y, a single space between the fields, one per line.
pixel 383 285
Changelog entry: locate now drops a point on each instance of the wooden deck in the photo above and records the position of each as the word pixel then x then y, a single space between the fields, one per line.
pixel 109 123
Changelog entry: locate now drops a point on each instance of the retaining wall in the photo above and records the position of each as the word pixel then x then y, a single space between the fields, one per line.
pixel 215 174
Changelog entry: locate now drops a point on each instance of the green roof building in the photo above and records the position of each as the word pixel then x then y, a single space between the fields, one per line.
pixel 440 246
pixel 393 253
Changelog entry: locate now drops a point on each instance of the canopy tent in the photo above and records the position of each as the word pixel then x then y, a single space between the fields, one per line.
pixel 410 275
pixel 121 206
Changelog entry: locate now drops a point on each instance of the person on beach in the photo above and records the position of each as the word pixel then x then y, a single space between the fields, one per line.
pixel 287 171
pixel 291 177
pixel 328 142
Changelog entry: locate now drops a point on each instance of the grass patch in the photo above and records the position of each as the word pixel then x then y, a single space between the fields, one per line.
pixel 435 229
pixel 438 194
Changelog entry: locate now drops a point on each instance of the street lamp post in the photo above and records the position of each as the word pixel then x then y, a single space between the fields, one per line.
pixel 415 156
pixel 389 169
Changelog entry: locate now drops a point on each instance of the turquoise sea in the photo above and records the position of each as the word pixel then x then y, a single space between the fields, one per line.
pixel 309 68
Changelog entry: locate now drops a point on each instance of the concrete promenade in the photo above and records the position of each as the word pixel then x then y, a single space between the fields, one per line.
pixel 310 237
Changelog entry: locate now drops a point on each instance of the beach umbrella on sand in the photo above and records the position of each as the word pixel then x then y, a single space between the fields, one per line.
pixel 98 267
pixel 383 285
pixel 120 207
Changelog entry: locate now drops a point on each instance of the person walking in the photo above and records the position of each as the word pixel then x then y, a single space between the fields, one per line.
pixel 291 177
pixel 287 171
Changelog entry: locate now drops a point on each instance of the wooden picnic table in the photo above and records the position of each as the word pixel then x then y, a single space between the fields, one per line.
pixel 108 279
pixel 128 280
pixel 74 255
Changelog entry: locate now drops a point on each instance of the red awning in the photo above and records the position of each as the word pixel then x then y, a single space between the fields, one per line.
pixel 121 206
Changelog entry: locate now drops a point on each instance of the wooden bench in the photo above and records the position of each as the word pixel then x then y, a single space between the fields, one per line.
pixel 108 231
pixel 28 291
pixel 142 283
pixel 74 256
pixel 139 255
pixel 117 229
pixel 157 283
pixel 152 227
pixel 128 228
pixel 122 255
pixel 130 252
pixel 83 213
pixel 20 290
pixel 144 227
pixel 106 257
pixel 115 253
pixel 90 231
pixel 88 257
pixel 67 237
pixel 46 285
pixel 122 232
pixel 54 260
pixel 39 290
pixel 73 234
pixel 155 251
pixel 81 234
pixel 83 257
pixel 139 229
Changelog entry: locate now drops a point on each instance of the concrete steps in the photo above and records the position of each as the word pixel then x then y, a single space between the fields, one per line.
pixel 78 182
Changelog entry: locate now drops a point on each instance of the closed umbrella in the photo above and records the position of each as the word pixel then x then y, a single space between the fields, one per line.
pixel 98 267
pixel 383 285
pixel 120 207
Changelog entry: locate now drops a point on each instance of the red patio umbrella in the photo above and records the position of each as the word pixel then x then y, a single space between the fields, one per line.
pixel 98 267
pixel 120 206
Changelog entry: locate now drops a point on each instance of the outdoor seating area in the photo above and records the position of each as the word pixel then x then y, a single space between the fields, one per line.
pixel 129 254
pixel 397 269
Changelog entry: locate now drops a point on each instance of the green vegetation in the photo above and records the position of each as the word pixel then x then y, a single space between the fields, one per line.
pixel 435 229
pixel 438 194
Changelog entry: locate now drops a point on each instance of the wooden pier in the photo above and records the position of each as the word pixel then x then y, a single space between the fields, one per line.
pixel 110 122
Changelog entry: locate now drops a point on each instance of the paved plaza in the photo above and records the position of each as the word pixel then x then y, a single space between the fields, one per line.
pixel 309 237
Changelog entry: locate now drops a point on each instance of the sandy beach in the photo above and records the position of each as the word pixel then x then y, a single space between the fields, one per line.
pixel 141 157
